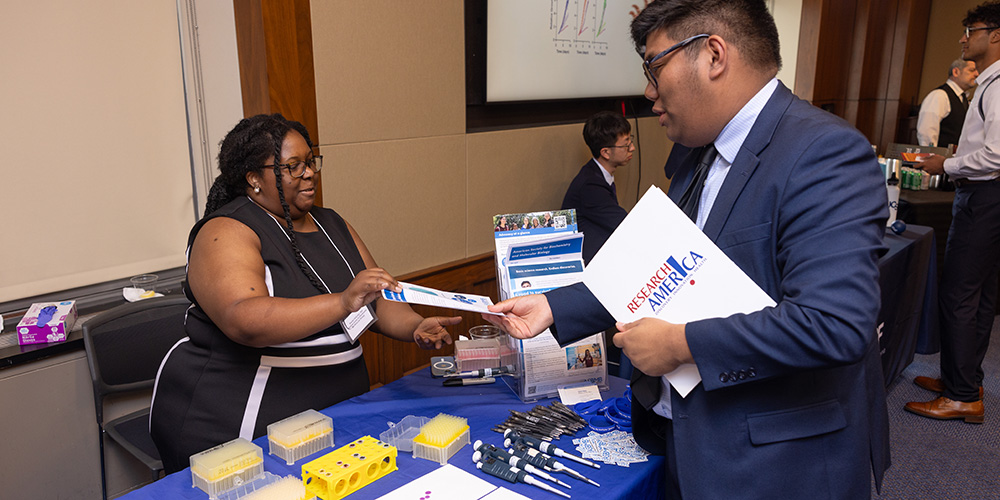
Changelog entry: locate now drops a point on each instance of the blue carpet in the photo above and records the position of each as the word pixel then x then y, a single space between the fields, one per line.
pixel 943 459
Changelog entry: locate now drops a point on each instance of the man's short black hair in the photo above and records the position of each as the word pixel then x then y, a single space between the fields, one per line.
pixel 603 129
pixel 987 13
pixel 745 24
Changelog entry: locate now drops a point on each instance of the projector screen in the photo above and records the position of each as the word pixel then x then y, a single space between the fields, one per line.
pixel 561 49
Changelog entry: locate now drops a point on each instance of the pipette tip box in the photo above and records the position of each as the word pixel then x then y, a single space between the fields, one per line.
pixel 226 466
pixel 300 435
pixel 269 487
pixel 441 437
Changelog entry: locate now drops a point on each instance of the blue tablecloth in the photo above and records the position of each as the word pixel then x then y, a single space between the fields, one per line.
pixel 420 394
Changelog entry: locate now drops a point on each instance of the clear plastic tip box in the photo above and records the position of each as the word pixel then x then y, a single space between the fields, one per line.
pixel 348 468
pixel 226 466
pixel 441 437
pixel 299 436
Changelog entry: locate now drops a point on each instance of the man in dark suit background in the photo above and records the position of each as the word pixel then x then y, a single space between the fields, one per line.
pixel 791 403
pixel 592 192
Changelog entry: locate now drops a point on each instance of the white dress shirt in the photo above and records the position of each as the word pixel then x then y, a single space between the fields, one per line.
pixel 933 109
pixel 977 157
pixel 727 144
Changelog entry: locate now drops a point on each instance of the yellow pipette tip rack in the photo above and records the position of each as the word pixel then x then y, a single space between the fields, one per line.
pixel 269 487
pixel 348 468
pixel 300 435
pixel 441 437
pixel 226 466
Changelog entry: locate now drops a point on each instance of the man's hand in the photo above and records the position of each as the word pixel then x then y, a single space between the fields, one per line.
pixel 524 317
pixel 933 164
pixel 654 346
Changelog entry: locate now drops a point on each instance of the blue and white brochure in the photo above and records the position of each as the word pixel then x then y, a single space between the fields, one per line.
pixel 415 294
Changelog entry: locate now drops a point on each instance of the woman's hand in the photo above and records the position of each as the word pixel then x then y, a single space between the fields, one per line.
pixel 431 334
pixel 366 287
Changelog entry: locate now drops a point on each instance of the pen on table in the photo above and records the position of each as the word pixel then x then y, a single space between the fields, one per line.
pixel 451 382
pixel 485 372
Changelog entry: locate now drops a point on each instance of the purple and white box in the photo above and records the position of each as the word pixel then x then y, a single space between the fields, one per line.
pixel 47 322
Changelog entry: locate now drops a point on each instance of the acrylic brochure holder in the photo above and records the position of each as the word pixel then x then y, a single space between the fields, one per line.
pixel 539 252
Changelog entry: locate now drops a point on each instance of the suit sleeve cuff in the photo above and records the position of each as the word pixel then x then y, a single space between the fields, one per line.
pixel 576 313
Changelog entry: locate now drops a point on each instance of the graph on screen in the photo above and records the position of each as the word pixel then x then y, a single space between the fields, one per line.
pixel 561 49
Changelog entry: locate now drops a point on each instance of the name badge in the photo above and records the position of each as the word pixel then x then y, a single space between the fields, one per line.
pixel 357 322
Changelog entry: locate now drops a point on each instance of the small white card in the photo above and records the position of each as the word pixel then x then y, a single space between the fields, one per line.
pixel 357 322
pixel 578 394
pixel 415 294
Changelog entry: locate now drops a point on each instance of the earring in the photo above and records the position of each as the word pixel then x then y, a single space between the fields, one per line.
pixel 256 189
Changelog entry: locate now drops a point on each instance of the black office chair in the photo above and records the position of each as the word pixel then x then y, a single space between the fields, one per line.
pixel 124 348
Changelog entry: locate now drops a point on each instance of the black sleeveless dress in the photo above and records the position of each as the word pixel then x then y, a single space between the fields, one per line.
pixel 210 390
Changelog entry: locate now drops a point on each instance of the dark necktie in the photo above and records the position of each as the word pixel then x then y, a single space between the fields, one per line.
pixel 965 102
pixel 614 190
pixel 692 193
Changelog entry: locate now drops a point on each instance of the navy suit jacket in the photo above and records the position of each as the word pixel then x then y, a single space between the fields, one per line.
pixel 792 402
pixel 597 209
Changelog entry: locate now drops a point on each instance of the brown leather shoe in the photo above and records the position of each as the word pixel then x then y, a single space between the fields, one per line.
pixel 936 385
pixel 945 409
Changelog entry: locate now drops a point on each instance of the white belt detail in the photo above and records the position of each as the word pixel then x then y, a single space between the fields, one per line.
pixel 156 381
pixel 339 338
pixel 310 361
pixel 253 402
pixel 264 371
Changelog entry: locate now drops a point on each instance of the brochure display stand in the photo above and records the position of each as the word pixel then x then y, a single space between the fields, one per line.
pixel 536 252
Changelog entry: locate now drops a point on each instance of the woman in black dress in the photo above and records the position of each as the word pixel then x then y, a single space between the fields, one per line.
pixel 276 286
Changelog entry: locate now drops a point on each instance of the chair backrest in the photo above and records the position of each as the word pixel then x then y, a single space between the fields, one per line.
pixel 126 344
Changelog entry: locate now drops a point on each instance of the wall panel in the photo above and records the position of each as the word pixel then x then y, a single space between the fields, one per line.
pixel 406 198
pixel 389 70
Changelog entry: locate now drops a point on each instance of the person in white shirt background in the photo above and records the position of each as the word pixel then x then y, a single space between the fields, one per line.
pixel 942 111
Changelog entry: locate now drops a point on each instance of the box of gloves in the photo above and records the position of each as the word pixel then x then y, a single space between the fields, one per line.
pixel 47 322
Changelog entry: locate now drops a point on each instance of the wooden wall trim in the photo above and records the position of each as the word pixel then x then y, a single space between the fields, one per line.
pixel 250 47
pixel 861 60
pixel 274 42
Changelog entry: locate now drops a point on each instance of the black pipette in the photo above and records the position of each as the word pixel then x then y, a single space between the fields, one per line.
pixel 510 436
pixel 496 468
pixel 539 459
pixel 488 450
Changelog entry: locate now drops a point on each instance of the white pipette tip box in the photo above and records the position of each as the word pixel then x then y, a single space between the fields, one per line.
pixel 300 435
pixel 269 487
pixel 226 466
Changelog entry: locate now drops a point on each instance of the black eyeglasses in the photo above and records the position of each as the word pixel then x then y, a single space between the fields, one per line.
pixel 968 30
pixel 647 65
pixel 297 170
pixel 626 145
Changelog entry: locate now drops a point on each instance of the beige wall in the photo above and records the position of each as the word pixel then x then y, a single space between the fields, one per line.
pixel 390 91
pixel 942 41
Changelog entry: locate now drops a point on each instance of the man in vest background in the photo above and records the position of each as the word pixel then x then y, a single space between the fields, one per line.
pixel 943 110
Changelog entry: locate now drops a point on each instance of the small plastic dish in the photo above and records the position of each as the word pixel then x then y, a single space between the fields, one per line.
pixel 401 434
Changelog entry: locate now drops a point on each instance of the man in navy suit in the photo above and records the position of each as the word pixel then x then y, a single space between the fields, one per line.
pixel 592 192
pixel 791 403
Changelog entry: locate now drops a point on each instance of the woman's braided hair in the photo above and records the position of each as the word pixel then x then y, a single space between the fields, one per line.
pixel 245 149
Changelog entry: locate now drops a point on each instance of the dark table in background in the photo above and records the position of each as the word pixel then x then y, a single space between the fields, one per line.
pixel 419 394
pixel 908 319
pixel 930 208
